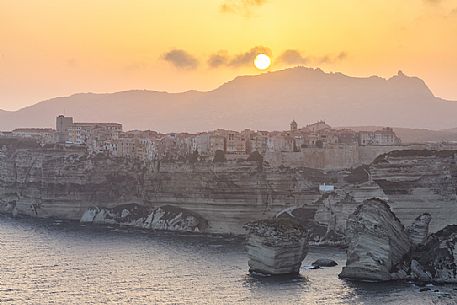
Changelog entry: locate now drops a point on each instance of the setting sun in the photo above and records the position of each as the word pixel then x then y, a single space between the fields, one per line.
pixel 262 61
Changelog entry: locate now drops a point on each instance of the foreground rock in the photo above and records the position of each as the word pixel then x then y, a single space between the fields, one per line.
pixel 276 246
pixel 169 218
pixel 380 249
pixel 324 262
pixel 438 257
pixel 377 243
pixel 419 273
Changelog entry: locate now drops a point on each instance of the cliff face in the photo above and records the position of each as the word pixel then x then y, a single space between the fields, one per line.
pixel 419 181
pixel 413 182
pixel 65 183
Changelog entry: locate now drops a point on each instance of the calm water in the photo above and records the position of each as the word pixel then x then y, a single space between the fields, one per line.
pixel 57 263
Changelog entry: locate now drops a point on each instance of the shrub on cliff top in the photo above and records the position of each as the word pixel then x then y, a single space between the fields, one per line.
pixel 358 174
pixel 17 143
pixel 219 156
pixel 255 156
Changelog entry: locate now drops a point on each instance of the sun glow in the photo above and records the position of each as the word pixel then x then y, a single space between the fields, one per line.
pixel 262 61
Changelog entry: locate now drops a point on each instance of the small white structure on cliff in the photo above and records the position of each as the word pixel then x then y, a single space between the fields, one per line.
pixel 326 188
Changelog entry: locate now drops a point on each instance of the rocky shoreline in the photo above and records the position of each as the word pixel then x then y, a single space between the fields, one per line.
pixel 382 249
pixel 379 247
pixel 278 246
pixel 165 218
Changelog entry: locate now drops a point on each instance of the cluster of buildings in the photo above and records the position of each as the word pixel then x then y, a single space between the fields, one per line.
pixel 109 138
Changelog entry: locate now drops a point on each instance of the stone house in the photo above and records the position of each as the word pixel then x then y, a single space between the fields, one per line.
pixel 41 135
pixel 385 136
pixel 279 142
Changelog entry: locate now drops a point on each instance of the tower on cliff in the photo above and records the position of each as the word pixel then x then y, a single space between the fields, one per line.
pixel 62 125
pixel 293 126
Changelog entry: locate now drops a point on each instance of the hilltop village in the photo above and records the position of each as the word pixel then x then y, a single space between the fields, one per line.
pixel 220 144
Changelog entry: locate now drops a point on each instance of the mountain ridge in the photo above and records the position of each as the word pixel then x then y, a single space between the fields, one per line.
pixel 266 101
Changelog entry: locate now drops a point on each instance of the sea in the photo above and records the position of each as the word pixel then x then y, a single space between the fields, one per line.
pixel 55 262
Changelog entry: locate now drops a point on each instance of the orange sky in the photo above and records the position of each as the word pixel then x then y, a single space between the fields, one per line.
pixel 57 48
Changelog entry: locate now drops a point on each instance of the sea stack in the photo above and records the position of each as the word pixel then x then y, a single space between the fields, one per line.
pixel 418 230
pixel 377 243
pixel 276 246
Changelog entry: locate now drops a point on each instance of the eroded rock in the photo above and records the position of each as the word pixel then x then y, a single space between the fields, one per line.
pixel 418 231
pixel 8 207
pixel 419 273
pixel 305 217
pixel 324 262
pixel 438 256
pixel 169 218
pixel 380 249
pixel 276 246
pixel 172 218
pixel 124 214
pixel 377 243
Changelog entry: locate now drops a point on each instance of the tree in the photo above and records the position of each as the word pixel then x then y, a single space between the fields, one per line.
pixel 219 156
pixel 193 157
pixel 255 156
pixel 295 147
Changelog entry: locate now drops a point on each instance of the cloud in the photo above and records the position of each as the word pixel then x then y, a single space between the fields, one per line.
pixel 434 2
pixel 219 59
pixel 248 57
pixel 329 59
pixel 223 58
pixel 243 7
pixel 343 55
pixel 288 57
pixel 181 59
pixel 293 57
